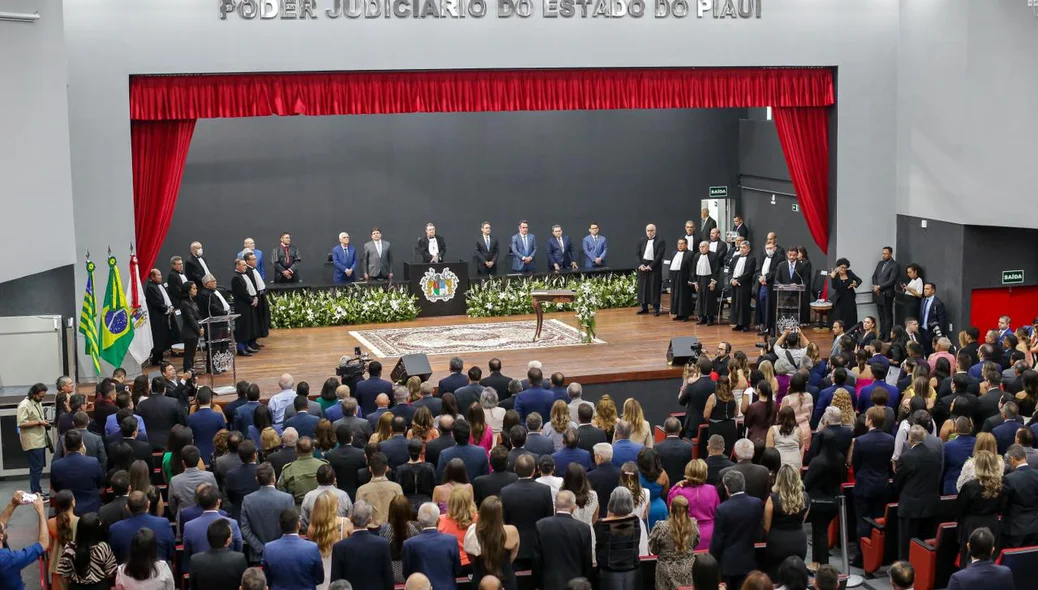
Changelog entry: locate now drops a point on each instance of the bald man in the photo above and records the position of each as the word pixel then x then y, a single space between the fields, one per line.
pixel 250 244
pixel 490 583
pixel 417 581
pixel 195 265
pixel 651 249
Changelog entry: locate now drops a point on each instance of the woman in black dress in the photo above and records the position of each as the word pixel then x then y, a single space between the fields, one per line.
pixel 841 293
pixel 784 515
pixel 616 543
pixel 825 474
pixel 191 331
pixel 720 411
pixel 978 501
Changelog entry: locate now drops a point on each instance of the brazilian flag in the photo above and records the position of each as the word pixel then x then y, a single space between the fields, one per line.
pixel 88 319
pixel 116 325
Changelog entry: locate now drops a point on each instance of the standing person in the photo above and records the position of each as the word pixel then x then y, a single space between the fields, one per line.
pixel 258 527
pixel 707 224
pixel 249 245
pixel 431 248
pixel 486 252
pixel 650 270
pixel 682 303
pixel 327 527
pixel 744 268
pixel 737 521
pixel 363 558
pixel 674 540
pixel 981 573
pixel 560 251
pixel 286 260
pixel 594 248
pixel 765 288
pixel 979 501
pixel 825 474
pixel 1020 501
pixel 219 566
pixel 706 273
pixel 525 502
pixel 13 562
pixel 870 457
pixel 617 540
pixel 62 530
pixel 563 546
pixel 246 301
pixel 87 563
pixel 196 266
pixel 262 309
pixel 492 545
pixel 917 485
pixel 344 258
pixel 844 281
pixel 291 562
pixel 883 279
pixel 431 552
pixel 192 330
pixel 33 434
pixel 933 319
pixel 144 570
pixel 377 259
pixel 784 515
pixel 160 309
pixel 523 249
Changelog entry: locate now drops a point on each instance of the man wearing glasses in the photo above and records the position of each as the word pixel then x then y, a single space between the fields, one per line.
pixel 13 562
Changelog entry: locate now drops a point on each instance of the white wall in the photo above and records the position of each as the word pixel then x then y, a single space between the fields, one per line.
pixel 110 39
pixel 35 181
pixel 966 119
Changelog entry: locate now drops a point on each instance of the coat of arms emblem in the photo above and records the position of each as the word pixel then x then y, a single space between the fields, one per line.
pixel 439 286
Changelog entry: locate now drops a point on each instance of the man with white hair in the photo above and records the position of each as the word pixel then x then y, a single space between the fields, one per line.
pixel 431 552
pixel 944 345
pixel 651 250
pixel 624 449
pixel 575 392
pixel 344 258
pixel 756 476
pixel 917 485
pixel 563 546
pixel 282 399
pixel 428 400
pixel 363 559
pixel 535 364
pixel 605 476
pixel 400 407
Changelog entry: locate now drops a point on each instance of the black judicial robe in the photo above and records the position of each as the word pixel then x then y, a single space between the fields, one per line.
pixel 743 294
pixel 262 310
pixel 682 301
pixel 194 270
pixel 650 284
pixel 766 311
pixel 175 282
pixel 245 330
pixel 706 302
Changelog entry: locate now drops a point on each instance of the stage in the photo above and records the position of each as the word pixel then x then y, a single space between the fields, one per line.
pixel 634 349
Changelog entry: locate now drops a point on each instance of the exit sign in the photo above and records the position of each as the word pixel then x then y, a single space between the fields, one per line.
pixel 718 191
pixel 1012 277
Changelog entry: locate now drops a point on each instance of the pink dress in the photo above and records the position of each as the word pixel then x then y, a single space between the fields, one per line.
pixel 487 442
pixel 702 503
pixel 803 405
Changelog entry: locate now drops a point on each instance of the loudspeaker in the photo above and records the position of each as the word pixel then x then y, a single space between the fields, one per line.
pixel 682 349
pixel 411 365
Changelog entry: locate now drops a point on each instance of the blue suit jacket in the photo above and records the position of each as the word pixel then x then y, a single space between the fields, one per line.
pixel 262 268
pixel 824 398
pixel 518 252
pixel 344 260
pixel 81 475
pixel 334 413
pixel 364 561
pixel 594 249
pixel 451 383
pixel 292 564
pixel 395 449
pixel 474 457
pixel 196 538
pixel 871 459
pixel 305 424
pixel 1005 434
pixel 625 450
pixel 736 522
pixel 865 396
pixel 111 427
pixel 368 390
pixel 955 454
pixel 535 399
pixel 205 423
pixel 564 456
pixel 982 575
pixel 243 416
pixel 434 554
pixel 121 533
pixel 561 255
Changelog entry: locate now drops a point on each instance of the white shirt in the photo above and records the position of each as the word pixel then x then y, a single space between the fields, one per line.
pixel 526 247
pixel 165 296
pixel 434 247
pixel 649 254
pixel 378 248
pixel 260 285
pixel 553 482
pixel 766 267
pixel 713 246
pixel 739 266
pixel 205 267
pixel 703 266
pixel 675 264
pixel 183 277
pixel 248 285
pixel 223 301
pixel 279 402
pixel 690 239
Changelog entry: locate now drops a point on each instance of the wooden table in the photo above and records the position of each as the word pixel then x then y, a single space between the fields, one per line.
pixel 548 296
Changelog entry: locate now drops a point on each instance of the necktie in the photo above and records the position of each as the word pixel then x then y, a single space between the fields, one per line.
pixel 525 249
pixel 561 247
pixel 288 259
pixel 487 240
pixel 791 270
pixel 594 239
pixel 926 312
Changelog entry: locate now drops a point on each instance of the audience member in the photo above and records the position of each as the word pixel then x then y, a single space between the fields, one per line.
pixel 380 491
pixel 253 579
pixel 588 434
pixel 284 455
pixel 121 534
pixel 474 457
pixel 536 398
pixel 674 541
pixel 431 552
pixel 145 568
pixel 716 459
pixel 115 509
pixel 300 476
pixel 291 562
pixel 160 413
pixel 183 485
pixel 701 498
pixel 524 503
pixel 13 562
pixel 618 538
pixel 126 449
pixel 982 573
pixel 792 574
pixel 325 483
pixel 822 483
pixel 205 423
pixel 395 447
pixel 304 422
pixel 757 476
pixel 229 460
pixel 536 441
pixel 546 467
pixel 491 484
pixel 220 566
pixel 259 513
pixel 563 546
pixel 363 558
pixel 417 478
pixel 870 457
pixel 492 546
pixel 79 474
pixel 346 459
pixel 605 477
pixel 398 528
pixel 624 449
pixel 241 480
pixel 784 515
pixel 196 533
pixel 674 452
pixel 360 427
pixel 1020 501
pixel 917 485
pixel 706 573
pixel 736 523
pixel 827 578
pixel 93 444
pixel 327 528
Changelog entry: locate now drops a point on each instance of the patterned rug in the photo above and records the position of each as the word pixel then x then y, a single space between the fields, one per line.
pixel 467 338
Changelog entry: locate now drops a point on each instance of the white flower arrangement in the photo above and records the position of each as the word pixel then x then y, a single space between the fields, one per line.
pixel 307 308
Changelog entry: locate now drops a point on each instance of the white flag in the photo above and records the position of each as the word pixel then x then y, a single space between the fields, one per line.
pixel 142 343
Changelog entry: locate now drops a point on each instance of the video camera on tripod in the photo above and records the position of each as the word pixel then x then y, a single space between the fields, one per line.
pixel 353 368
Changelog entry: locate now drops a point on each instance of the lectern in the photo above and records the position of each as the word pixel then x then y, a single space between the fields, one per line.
pixel 220 346
pixel 787 307
pixel 440 288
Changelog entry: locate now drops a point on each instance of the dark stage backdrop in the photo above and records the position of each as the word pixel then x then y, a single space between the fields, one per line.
pixel 317 176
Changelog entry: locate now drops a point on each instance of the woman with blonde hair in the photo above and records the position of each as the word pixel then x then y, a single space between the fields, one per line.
pixel 674 540
pixel 720 413
pixel 702 500
pixel 769 375
pixel 560 421
pixel 802 404
pixel 461 513
pixel 270 442
pixel 414 389
pixel 629 478
pixel 985 442
pixel 384 430
pixel 842 400
pixel 980 499
pixel 920 387
pixel 605 416
pixel 492 545
pixel 326 529
pixel 819 365
pixel 641 431
pixel 784 516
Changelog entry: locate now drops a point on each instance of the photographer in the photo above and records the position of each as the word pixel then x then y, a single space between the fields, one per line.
pixel 790 350
pixel 32 432
pixel 13 562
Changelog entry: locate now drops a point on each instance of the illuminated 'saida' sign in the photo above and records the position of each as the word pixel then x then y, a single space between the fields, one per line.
pixel 455 9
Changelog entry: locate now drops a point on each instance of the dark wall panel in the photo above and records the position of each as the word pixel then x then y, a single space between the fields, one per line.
pixel 987 252
pixel 760 151
pixel 45 293
pixel 317 176
pixel 938 248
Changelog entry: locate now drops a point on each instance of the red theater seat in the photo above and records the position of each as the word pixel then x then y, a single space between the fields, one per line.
pixel 1024 563
pixel 934 559
pixel 880 547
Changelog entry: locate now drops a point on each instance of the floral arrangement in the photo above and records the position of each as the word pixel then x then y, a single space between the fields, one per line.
pixel 307 308
pixel 511 296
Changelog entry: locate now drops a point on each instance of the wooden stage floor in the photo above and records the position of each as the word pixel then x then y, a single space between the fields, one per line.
pixel 636 350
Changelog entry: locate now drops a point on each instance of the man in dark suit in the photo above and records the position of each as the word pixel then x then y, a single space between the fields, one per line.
pixel 431 248
pixel 259 513
pixel 605 476
pixel 346 460
pixel 517 436
pixel 474 457
pixel 870 457
pixel 972 345
pixel 359 428
pixel 883 279
pixel 536 442
pixel 431 552
pixel 428 400
pixel 286 260
pixel 441 443
pixel 304 422
pixel 363 559
pixel 291 562
pixel 560 251
pixel 93 444
pixel 706 225
pixel 121 533
pixel 160 413
pixel 196 266
pixel 368 389
pixel 241 481
pixel 486 252
pixel 1005 433
pixel 81 475
pixel 790 271
pixel 286 454
pixel 571 452
pixel 933 320
pixel 395 447
pixel 917 485
pixel 716 459
pixel 563 546
pixel 469 394
pixel 496 380
pixel 230 460
pixel 220 566
pixel 525 502
pixel 588 434
pixel 122 453
pixel 740 228
pixel 377 259
pixel 195 533
pixel 982 573
pixel 1019 501
pixel 757 477
pixel 736 523
pixel 115 510
pixel 205 423
pixel 651 250
pixel 536 398
pixel 176 278
pixel 160 308
pixel 344 259
pixel 491 484
pixel 456 380
pixel 694 397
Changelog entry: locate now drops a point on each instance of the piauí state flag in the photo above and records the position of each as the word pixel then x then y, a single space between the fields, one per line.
pixel 88 319
pixel 140 348
pixel 116 322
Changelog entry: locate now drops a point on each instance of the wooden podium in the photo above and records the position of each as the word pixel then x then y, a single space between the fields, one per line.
pixel 548 296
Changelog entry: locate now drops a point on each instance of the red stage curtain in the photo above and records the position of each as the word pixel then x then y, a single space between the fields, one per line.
pixel 804 134
pixel 349 93
pixel 159 150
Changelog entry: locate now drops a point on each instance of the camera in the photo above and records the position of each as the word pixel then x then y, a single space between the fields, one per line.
pixel 352 367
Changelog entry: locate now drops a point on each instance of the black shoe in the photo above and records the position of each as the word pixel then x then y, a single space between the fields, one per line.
pixel 676 318
pixel 258 345
pixel 656 313
pixel 642 312
pixel 857 562
pixel 736 328
pixel 244 353
pixel 744 329
pixel 700 322
pixel 251 349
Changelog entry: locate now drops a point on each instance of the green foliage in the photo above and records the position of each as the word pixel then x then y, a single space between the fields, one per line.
pixel 307 308
pixel 511 296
